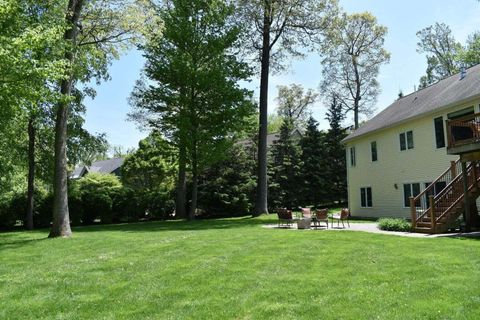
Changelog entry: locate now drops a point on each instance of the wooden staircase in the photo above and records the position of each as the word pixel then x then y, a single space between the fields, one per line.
pixel 436 209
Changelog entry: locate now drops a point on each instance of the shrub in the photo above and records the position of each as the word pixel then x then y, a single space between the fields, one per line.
pixel 126 206
pixel 97 191
pixel 7 217
pixel 394 224
pixel 159 204
pixel 44 214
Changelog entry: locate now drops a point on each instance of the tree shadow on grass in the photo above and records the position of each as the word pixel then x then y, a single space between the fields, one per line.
pixel 14 243
pixel 18 238
pixel 178 225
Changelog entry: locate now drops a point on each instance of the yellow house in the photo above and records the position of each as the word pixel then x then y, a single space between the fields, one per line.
pixel 399 153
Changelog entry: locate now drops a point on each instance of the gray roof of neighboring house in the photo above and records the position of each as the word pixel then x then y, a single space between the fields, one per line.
pixel 103 166
pixel 444 93
pixel 78 172
pixel 106 166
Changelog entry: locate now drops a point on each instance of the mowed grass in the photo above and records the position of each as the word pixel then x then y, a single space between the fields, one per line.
pixel 235 269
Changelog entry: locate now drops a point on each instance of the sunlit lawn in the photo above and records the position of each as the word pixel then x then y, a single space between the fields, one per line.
pixel 235 269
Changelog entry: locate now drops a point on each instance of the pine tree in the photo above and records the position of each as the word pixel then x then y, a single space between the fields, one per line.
pixel 285 168
pixel 335 160
pixel 313 174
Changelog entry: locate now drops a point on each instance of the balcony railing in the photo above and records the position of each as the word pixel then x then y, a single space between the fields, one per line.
pixel 464 130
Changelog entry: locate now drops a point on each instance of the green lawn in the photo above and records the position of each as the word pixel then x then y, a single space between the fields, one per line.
pixel 234 269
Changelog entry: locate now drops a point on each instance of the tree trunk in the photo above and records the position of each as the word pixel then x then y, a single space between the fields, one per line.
pixel 31 174
pixel 261 205
pixel 181 184
pixel 193 206
pixel 355 115
pixel 61 219
pixel 358 95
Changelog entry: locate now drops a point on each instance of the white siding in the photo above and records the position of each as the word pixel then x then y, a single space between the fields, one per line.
pixel 386 176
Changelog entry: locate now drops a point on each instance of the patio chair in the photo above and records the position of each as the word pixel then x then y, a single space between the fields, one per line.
pixel 342 216
pixel 284 217
pixel 306 212
pixel 321 215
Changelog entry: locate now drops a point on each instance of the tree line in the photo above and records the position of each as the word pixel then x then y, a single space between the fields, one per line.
pixel 198 53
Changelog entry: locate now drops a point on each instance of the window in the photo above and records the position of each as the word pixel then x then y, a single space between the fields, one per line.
pixel 373 146
pixel 353 161
pixel 439 132
pixel 410 190
pixel 406 140
pixel 366 197
pixel 437 188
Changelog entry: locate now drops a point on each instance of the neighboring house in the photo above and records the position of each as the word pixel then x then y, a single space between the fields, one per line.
pixel 403 149
pixel 111 166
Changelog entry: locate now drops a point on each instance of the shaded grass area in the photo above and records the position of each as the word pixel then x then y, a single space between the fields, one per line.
pixel 234 269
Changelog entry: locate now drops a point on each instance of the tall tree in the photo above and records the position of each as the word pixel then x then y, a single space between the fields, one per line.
pixel 97 32
pixel 313 171
pixel 352 61
pixel 285 169
pixel 279 29
pixel 193 95
pixel 441 49
pixel 294 103
pixel 469 55
pixel 335 156
pixel 30 39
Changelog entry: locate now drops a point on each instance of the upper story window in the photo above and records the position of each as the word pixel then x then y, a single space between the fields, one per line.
pixel 353 160
pixel 439 132
pixel 373 147
pixel 406 140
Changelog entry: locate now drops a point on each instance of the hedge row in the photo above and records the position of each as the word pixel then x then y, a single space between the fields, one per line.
pixel 91 199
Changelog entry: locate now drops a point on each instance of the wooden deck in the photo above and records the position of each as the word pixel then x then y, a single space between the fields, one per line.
pixel 463 135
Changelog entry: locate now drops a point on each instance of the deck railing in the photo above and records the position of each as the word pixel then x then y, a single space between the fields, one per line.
pixel 463 130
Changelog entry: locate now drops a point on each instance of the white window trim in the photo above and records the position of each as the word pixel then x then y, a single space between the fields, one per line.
pixel 371 190
pixel 406 140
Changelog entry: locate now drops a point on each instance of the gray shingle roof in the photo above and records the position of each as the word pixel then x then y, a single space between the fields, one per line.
pixel 103 166
pixel 442 94
pixel 106 166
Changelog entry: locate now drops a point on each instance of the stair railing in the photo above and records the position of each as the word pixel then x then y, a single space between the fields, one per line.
pixel 420 205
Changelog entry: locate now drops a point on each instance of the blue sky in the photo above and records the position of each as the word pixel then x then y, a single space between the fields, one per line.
pixel 108 111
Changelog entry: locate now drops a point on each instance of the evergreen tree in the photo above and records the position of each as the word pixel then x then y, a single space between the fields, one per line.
pixel 313 173
pixel 335 158
pixel 227 188
pixel 285 168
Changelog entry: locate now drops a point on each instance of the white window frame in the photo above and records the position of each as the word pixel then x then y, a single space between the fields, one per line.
pixel 366 196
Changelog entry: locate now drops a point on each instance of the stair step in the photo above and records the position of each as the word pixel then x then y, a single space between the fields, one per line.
pixel 423 230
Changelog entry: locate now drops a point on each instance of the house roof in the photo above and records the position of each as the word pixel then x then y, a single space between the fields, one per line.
pixel 103 166
pixel 106 166
pixel 444 93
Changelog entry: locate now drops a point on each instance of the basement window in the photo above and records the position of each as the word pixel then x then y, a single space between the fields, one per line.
pixel 410 190
pixel 366 197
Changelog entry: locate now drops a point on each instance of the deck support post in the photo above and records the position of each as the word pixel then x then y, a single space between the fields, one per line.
pixel 466 198
pixel 432 213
